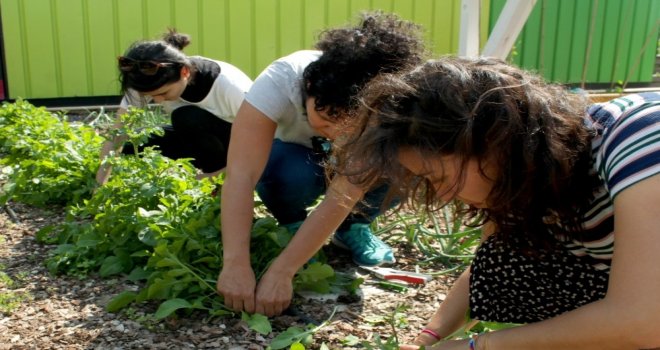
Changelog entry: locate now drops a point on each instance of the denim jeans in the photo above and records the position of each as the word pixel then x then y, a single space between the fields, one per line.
pixel 294 179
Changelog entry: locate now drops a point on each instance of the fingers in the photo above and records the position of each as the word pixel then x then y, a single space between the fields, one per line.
pixel 237 290
pixel 272 307
pixel 272 296
pixel 425 339
pixel 248 304
pixel 238 301
pixel 233 303
pixel 274 293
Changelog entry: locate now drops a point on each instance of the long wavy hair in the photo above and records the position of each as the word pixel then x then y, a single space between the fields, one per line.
pixel 486 110
pixel 351 56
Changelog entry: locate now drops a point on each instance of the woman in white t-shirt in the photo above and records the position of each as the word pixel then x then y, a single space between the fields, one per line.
pixel 300 101
pixel 201 95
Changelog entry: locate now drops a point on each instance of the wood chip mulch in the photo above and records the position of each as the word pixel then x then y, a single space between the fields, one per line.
pixel 68 312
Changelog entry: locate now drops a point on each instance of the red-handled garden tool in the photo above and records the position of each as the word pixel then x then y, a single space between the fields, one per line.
pixel 398 275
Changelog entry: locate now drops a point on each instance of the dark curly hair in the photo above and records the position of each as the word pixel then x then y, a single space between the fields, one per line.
pixel 487 110
pixel 169 49
pixel 352 56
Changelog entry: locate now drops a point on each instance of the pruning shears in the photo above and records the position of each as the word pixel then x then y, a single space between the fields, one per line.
pixel 398 275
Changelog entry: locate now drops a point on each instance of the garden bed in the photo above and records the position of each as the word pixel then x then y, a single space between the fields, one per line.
pixel 65 312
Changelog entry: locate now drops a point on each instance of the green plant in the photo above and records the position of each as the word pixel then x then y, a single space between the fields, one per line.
pixel 298 338
pixel 46 160
pixel 395 320
pixel 153 221
pixel 443 236
pixel 10 299
pixel 472 327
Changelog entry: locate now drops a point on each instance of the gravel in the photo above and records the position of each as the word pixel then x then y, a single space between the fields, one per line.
pixel 67 312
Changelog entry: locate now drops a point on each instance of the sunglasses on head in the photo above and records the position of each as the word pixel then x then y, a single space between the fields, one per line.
pixel 145 67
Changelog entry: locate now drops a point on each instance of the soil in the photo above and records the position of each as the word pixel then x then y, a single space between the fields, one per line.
pixel 68 312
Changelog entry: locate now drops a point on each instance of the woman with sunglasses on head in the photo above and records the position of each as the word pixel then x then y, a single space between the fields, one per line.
pixel 294 105
pixel 201 95
pixel 569 194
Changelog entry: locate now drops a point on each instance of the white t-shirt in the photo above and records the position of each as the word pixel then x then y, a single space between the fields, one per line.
pixel 223 100
pixel 277 93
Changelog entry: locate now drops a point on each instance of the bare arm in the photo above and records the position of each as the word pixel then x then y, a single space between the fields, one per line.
pixel 628 316
pixel 249 148
pixel 275 289
pixel 450 316
pixel 103 174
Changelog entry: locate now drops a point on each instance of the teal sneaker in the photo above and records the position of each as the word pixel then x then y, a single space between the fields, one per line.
pixel 366 249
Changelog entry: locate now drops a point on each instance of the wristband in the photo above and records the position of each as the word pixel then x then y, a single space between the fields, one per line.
pixel 431 333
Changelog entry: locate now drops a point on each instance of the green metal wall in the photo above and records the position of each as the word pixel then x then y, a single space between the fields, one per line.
pixel 67 48
pixel 593 41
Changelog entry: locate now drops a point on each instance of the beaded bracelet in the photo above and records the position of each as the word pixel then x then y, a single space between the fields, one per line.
pixel 431 333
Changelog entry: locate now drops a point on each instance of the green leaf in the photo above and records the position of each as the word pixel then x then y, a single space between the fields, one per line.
pixel 177 272
pixel 257 322
pixel 120 301
pixel 43 235
pixel 288 337
pixel 160 288
pixel 315 277
pixel 147 236
pixel 148 213
pixel 206 259
pixel 112 265
pixel 138 274
pixel 350 340
pixel 167 262
pixel 168 307
pixel 297 346
pixel 316 272
pixel 89 239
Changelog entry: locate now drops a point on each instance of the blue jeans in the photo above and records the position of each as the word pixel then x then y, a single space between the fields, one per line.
pixel 294 179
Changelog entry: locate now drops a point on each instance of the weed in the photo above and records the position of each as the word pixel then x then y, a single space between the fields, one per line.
pixel 395 320
pixel 10 299
pixel 5 280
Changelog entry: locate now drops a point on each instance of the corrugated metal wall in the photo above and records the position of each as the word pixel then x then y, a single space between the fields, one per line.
pixel 67 48
pixel 595 41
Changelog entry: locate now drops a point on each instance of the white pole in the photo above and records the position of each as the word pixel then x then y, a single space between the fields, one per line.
pixel 508 27
pixel 468 42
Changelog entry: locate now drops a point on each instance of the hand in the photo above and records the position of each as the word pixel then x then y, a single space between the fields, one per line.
pixel 443 345
pixel 236 284
pixel 425 339
pixel 274 293
pixel 421 339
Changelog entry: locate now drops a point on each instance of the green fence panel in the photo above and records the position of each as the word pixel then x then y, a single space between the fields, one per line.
pixel 68 48
pixel 14 49
pixel 590 41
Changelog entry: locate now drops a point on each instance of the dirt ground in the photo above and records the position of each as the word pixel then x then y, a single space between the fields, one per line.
pixel 64 312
